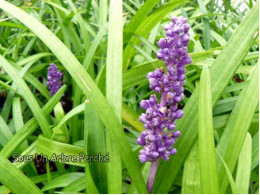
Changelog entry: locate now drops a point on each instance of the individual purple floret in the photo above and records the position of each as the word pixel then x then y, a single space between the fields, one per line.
pixel 159 136
pixel 54 78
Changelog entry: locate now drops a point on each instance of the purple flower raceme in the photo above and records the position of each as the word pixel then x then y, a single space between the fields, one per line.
pixel 54 78
pixel 160 135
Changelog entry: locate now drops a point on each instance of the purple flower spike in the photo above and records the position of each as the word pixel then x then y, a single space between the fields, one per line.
pixel 54 78
pixel 160 135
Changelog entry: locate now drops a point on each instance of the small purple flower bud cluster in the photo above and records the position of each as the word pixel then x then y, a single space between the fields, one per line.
pixel 54 78
pixel 159 120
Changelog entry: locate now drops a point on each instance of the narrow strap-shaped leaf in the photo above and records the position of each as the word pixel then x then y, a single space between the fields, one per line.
pixel 255 151
pixel 63 180
pixel 30 126
pixel 18 119
pixel 191 173
pixel 77 110
pixel 87 85
pixel 59 152
pixel 32 58
pixel 130 116
pixel 17 114
pixel 208 168
pixel 92 49
pixel 103 12
pixel 61 133
pixel 5 132
pixel 96 140
pixel 229 174
pixel 4 190
pixel 75 187
pixel 15 180
pixel 206 25
pixel 237 126
pixel 7 105
pixel 138 18
pixel 221 71
pixel 90 184
pixel 244 166
pixel 27 95
pixel 114 90
pixel 83 29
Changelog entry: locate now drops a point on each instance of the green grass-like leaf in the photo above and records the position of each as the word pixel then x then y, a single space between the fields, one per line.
pixel 114 90
pixel 96 143
pixel 28 96
pixel 191 174
pixel 30 126
pixel 15 180
pixel 208 168
pixel 244 166
pixel 237 126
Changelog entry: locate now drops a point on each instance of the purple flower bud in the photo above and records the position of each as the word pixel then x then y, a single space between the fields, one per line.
pixel 166 27
pixel 171 126
pixel 177 98
pixel 156 122
pixel 186 27
pixel 153 100
pixel 147 152
pixel 178 91
pixel 182 51
pixel 174 19
pixel 162 126
pixel 173 107
pixel 173 151
pixel 179 114
pixel 155 155
pixel 162 43
pixel 146 126
pixel 186 59
pixel 159 72
pixel 166 155
pixel 169 32
pixel 144 104
pixel 173 115
pixel 142 158
pixel 151 137
pixel 142 118
pixel 181 70
pixel 153 82
pixel 141 141
pixel 149 132
pixel 161 149
pixel 169 141
pixel 176 134
pixel 160 55
pixel 184 20
pixel 181 77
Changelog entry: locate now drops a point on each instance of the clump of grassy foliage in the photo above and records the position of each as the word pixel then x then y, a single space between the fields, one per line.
pixel 105 50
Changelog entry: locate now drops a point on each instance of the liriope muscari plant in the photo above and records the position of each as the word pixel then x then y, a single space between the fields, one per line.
pixel 54 79
pixel 160 135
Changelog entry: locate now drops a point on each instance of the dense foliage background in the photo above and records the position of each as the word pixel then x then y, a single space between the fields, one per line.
pixel 105 58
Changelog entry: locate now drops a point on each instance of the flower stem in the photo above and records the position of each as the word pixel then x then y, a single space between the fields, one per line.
pixel 152 176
